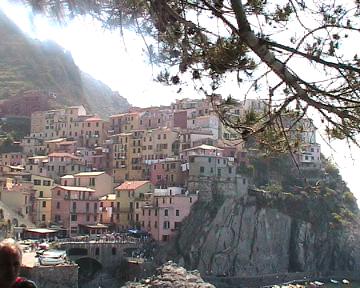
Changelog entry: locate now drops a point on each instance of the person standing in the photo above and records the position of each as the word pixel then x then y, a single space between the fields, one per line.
pixel 10 263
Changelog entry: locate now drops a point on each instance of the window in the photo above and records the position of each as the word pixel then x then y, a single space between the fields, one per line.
pixel 73 217
pixel 87 218
pixel 46 182
pixel 41 194
pixel 92 181
pixel 43 217
pixel 155 224
pixel 209 159
pixel 43 204
pixel 57 205
pixel 202 169
pixel 166 225
pixel 37 182
pixel 177 212
pixel 74 205
pixel 166 212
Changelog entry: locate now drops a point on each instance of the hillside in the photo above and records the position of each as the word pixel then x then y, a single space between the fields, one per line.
pixel 28 64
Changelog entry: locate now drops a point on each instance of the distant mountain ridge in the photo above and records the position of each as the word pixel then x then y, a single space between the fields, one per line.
pixel 28 64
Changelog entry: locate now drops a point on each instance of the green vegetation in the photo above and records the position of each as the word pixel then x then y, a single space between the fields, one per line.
pixel 15 127
pixel 316 195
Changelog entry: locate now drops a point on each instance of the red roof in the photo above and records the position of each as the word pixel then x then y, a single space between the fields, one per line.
pixel 131 185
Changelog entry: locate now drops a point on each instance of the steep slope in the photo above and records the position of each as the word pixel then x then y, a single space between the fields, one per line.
pixel 312 229
pixel 28 64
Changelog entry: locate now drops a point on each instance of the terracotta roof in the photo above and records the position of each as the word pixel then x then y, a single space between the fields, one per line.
pixel 62 154
pixel 131 185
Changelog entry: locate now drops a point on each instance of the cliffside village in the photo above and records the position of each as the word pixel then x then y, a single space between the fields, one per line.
pixel 79 174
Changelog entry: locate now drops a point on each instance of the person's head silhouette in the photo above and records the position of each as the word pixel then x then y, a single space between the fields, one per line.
pixel 10 262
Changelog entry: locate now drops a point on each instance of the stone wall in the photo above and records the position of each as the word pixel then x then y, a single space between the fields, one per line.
pixel 108 254
pixel 210 187
pixel 61 276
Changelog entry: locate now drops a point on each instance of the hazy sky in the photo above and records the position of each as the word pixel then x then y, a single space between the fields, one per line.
pixel 122 64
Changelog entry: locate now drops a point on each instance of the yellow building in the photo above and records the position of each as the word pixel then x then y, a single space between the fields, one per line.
pixel 100 181
pixel 42 205
pixel 160 143
pixel 127 194
pixel 127 156
pixel 126 122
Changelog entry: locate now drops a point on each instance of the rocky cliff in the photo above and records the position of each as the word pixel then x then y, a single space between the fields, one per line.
pixel 28 64
pixel 171 275
pixel 265 232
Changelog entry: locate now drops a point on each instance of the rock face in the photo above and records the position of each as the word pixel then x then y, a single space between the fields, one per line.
pixel 239 237
pixel 172 275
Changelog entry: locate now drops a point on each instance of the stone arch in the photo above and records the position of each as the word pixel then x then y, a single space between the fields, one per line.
pixel 88 268
pixel 77 251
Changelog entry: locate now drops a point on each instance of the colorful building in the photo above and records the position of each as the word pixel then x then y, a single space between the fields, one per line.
pixel 42 205
pixel 162 216
pixel 73 207
pixel 127 194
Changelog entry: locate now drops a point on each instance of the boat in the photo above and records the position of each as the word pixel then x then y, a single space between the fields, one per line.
pixel 334 281
pixel 52 257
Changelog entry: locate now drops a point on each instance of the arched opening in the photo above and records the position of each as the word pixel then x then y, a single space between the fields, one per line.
pixel 88 268
pixel 77 252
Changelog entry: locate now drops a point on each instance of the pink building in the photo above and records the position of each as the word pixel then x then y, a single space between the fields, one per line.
pixel 180 119
pixel 74 207
pixel 166 173
pixel 163 214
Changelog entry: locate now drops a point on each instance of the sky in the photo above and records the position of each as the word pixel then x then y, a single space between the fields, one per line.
pixel 122 64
